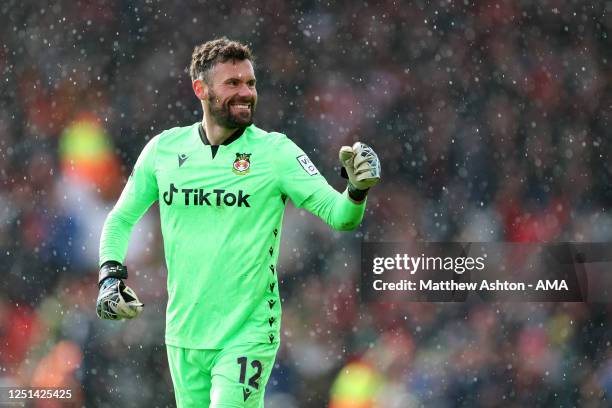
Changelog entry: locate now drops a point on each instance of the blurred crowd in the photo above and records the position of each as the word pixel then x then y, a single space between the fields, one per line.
pixel 492 122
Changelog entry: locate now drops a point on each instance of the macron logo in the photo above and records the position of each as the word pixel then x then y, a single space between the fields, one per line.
pixel 182 158
pixel 246 393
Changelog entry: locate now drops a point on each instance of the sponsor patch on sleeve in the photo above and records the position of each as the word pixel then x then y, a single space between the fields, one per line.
pixel 307 165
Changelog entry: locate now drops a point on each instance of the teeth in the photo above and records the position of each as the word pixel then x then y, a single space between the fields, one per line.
pixel 240 105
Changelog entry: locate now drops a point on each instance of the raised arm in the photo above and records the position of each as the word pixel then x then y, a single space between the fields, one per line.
pixel 300 180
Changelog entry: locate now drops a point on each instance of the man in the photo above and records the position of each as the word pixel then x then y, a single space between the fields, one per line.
pixel 222 186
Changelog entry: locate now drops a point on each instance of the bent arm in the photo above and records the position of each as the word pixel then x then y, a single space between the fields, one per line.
pixel 136 198
pixel 300 180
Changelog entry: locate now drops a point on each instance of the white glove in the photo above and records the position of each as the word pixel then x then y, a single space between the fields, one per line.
pixel 117 301
pixel 361 164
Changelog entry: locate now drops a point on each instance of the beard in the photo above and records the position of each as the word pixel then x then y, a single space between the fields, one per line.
pixel 222 112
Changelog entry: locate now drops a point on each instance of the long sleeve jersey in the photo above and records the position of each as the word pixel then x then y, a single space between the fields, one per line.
pixel 221 210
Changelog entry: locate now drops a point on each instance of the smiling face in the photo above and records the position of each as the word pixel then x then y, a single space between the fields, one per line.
pixel 229 94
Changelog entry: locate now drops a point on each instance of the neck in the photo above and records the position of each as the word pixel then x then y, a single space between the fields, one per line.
pixel 215 134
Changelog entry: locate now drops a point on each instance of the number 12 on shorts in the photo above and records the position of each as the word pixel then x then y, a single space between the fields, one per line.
pixel 256 364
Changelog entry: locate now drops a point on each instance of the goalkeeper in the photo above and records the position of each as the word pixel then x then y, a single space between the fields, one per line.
pixel 222 186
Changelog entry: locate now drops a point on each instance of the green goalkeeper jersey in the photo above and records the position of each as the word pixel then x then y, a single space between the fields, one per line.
pixel 221 210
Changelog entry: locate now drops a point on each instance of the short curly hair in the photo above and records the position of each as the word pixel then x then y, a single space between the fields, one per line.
pixel 206 56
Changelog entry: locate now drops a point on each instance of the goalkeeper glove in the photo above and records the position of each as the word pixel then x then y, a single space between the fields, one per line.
pixel 362 168
pixel 116 300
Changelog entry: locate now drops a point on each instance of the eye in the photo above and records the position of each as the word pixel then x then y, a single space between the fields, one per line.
pixel 233 82
pixel 251 84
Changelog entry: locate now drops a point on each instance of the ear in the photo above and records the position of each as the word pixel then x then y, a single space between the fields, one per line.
pixel 200 89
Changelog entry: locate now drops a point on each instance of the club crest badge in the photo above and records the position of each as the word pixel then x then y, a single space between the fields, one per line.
pixel 242 164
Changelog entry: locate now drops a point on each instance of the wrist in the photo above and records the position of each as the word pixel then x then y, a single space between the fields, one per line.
pixel 112 269
pixel 356 194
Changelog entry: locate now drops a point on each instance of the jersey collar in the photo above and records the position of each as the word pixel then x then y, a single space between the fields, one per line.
pixel 227 141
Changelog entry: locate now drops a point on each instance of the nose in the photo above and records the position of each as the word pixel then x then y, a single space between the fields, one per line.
pixel 246 92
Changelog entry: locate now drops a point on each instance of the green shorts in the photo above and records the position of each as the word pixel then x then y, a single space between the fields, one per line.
pixel 233 377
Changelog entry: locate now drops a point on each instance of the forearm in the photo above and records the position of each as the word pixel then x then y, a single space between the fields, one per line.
pixel 115 237
pixel 336 209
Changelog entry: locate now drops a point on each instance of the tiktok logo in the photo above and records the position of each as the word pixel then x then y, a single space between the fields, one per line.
pixel 169 194
pixel 200 197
